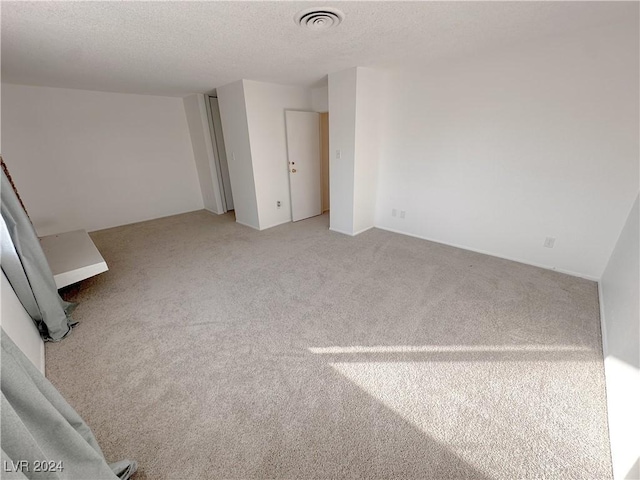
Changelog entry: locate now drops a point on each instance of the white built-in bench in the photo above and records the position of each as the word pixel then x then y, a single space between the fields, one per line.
pixel 72 257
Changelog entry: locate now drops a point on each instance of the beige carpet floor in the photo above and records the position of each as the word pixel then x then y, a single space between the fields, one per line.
pixel 210 350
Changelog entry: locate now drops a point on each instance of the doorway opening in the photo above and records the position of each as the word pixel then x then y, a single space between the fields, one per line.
pixel 324 160
pixel 221 167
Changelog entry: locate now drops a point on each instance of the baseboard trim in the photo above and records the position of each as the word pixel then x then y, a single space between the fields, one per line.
pixel 340 231
pixel 247 225
pixel 605 364
pixel 214 212
pixel 484 252
pixel 363 230
pixel 354 233
pixel 603 324
pixel 93 230
pixel 43 366
pixel 275 225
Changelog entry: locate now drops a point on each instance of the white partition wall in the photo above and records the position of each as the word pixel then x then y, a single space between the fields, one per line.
pixel 253 122
pixel 266 105
pixel 203 151
pixel 233 113
pixel 369 104
pixel 17 323
pixel 342 147
pixel 354 133
pixel 619 295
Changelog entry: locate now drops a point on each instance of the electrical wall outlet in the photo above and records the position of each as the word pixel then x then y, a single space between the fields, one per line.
pixel 278 204
pixel 394 213
pixel 549 242
pixel 338 154
pixel 402 213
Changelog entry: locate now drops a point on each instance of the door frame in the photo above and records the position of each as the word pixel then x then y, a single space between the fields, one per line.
pixel 289 160
pixel 216 155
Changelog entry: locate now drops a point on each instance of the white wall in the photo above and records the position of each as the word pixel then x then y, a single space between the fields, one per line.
pixel 196 112
pixel 233 113
pixel 342 134
pixel 620 298
pixel 266 104
pixel 354 129
pixel 17 323
pixel 367 148
pixel 495 153
pixel 320 99
pixel 92 160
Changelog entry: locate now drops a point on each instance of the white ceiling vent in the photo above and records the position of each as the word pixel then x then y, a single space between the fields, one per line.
pixel 318 18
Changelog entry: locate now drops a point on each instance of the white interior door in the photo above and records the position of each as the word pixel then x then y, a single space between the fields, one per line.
pixel 303 147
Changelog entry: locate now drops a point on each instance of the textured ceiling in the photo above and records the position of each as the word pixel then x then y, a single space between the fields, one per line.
pixel 176 48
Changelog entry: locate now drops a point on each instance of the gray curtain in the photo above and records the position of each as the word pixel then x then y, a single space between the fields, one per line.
pixel 26 268
pixel 38 424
